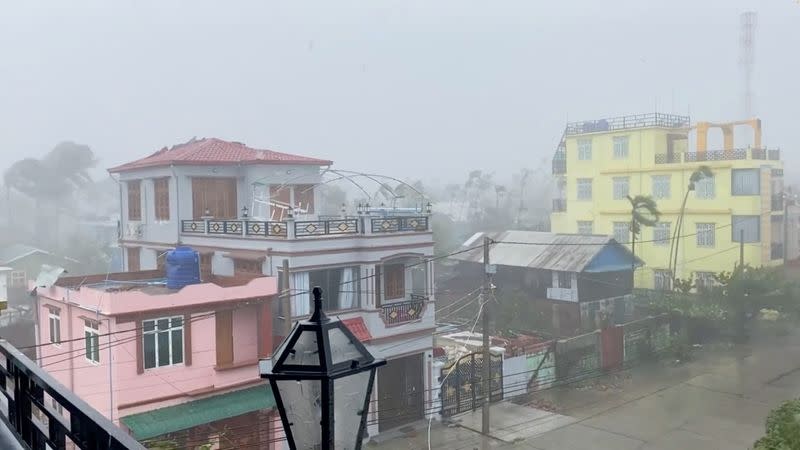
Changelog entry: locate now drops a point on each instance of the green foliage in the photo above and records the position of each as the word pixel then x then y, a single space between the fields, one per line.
pixel 783 428
pixel 444 230
pixel 644 212
pixel 56 176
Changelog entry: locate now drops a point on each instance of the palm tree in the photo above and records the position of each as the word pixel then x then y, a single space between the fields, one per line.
pixel 644 212
pixel 699 174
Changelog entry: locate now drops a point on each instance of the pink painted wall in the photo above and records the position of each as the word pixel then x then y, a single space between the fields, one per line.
pixel 124 385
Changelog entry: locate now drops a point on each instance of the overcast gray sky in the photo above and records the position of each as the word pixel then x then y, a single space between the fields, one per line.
pixel 415 88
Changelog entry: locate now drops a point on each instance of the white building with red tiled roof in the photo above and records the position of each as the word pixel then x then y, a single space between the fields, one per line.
pixel 247 210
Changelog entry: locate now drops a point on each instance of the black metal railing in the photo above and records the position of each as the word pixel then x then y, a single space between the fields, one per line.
pixel 265 228
pixel 559 204
pixel 628 122
pixel 758 153
pixel 774 154
pixel 667 158
pixel 404 311
pixel 777 172
pixel 398 224
pixel 325 227
pixel 45 414
pixel 776 250
pixel 559 166
pixel 777 202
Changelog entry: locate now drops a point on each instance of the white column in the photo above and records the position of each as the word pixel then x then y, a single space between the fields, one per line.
pixel 435 409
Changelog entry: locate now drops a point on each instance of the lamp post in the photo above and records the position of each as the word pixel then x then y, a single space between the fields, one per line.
pixel 322 379
pixel 245 212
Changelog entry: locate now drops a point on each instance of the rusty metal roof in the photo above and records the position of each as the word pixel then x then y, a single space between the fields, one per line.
pixel 539 250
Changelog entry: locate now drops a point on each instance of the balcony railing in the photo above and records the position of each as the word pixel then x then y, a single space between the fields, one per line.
pixel 559 166
pixel 777 202
pixel 774 154
pixel 668 158
pixel 559 205
pixel 628 122
pixel 760 154
pixel 45 414
pixel 395 313
pixel 716 155
pixel 776 250
pixel 304 228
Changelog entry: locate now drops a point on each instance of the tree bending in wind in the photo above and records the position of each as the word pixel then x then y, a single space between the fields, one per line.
pixel 644 213
pixel 699 174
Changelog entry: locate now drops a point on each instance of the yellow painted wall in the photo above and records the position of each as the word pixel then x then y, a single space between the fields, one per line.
pixel 640 166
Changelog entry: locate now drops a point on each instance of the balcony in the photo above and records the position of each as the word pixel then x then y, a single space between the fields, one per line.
pixel 628 122
pixel 45 414
pixel 559 165
pixel 303 229
pixel 404 311
pixel 559 204
pixel 717 155
pixel 736 154
pixel 667 158
pixel 776 250
pixel 777 202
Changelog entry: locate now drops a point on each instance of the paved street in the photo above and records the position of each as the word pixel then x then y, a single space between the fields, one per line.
pixel 720 400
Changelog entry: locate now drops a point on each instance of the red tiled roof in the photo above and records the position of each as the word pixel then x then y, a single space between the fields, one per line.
pixel 213 151
pixel 357 326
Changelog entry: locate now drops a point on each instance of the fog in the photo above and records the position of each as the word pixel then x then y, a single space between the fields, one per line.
pixel 417 89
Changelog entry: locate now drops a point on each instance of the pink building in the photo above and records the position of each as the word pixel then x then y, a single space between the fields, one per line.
pixel 156 360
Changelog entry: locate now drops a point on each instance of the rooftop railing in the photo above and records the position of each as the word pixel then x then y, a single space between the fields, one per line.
pixel 650 120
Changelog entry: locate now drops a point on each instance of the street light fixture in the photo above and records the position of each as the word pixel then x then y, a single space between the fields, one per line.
pixel 245 212
pixel 429 208
pixel 322 379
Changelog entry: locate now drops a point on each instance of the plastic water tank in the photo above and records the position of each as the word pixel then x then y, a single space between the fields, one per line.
pixel 183 267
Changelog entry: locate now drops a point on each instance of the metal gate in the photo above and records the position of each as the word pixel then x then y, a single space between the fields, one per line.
pixel 462 383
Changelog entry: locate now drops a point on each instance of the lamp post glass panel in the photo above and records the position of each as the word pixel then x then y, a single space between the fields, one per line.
pixel 322 379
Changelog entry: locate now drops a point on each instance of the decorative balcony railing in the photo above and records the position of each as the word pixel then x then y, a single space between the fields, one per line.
pixel 777 172
pixel 759 154
pixel 628 122
pixel 559 205
pixel 667 158
pixel 45 414
pixel 774 154
pixel 305 228
pixel 776 250
pixel 404 311
pixel 559 166
pixel 716 155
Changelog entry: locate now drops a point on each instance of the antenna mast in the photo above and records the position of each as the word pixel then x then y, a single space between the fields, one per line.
pixel 747 28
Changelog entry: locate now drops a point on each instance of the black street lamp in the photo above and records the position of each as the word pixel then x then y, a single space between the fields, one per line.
pixel 322 378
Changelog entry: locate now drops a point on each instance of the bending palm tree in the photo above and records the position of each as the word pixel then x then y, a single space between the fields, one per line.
pixel 699 174
pixel 644 212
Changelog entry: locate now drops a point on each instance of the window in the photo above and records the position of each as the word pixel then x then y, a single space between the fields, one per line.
pixel 134 254
pixel 621 187
pixel 162 341
pixel 247 266
pixel 224 332
pixel 704 188
pixel 304 197
pixel 585 227
pixel 260 209
pixel 92 340
pixel 205 263
pixel 585 149
pixel 565 280
pixel 705 280
pixel 705 234
pixel 394 279
pixel 661 280
pixel 215 197
pixel 584 188
pixel 621 231
pixel 161 191
pixel 55 325
pixel 745 182
pixel 661 186
pixel 620 147
pixel 747 226
pixel 661 234
pixel 18 279
pixel 134 200
pixel 341 287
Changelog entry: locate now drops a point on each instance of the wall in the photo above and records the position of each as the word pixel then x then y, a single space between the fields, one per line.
pixel 519 370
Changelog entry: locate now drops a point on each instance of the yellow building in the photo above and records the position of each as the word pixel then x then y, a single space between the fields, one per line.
pixel 598 163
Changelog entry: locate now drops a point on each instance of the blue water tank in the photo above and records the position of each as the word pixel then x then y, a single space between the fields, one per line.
pixel 183 267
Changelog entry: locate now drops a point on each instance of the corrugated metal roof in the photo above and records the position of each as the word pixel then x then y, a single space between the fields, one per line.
pixel 539 250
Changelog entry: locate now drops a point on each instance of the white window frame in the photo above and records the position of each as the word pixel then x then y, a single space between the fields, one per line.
pixel 583 225
pixel 154 332
pixel 706 235
pixel 92 328
pixel 584 149
pixel 705 188
pixel 661 236
pixel 621 147
pixel 17 278
pixel 583 182
pixel 260 202
pixel 54 323
pixel 756 184
pixel 615 231
pixel 621 187
pixel 661 186
pixel 661 279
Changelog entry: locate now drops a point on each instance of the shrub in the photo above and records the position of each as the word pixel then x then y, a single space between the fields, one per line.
pixel 783 428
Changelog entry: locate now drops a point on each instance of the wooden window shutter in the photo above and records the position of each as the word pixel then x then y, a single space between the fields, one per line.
pixel 395 281
pixel 217 195
pixel 134 200
pixel 161 191
pixel 134 264
pixel 224 325
pixel 139 348
pixel 377 286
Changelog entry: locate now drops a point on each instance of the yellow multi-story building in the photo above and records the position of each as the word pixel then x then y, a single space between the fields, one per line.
pixel 599 163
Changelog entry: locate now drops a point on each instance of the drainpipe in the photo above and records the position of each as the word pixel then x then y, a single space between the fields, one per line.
pixel 110 373
pixel 177 204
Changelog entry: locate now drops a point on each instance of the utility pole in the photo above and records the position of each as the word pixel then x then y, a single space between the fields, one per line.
pixel 286 297
pixel 741 248
pixel 487 357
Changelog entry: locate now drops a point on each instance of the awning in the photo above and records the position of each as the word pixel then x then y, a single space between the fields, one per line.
pixel 187 415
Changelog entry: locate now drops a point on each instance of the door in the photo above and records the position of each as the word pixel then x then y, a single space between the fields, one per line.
pixel 215 197
pixel 401 392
